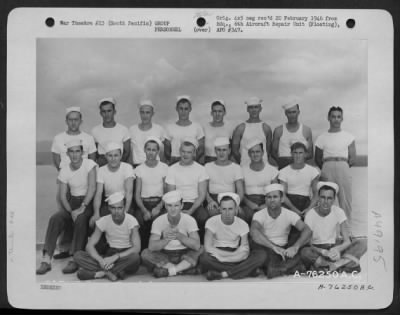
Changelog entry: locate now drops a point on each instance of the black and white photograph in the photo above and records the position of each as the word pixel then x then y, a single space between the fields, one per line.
pixel 202 161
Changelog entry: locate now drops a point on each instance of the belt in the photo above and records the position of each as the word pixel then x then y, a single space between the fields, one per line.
pixel 152 199
pixel 328 159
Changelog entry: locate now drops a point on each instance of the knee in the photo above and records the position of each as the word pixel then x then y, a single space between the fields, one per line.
pixel 82 221
pixel 56 218
pixel 259 255
pixel 145 254
pixel 79 255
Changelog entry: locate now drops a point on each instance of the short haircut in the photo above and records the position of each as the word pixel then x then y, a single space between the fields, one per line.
pixel 215 103
pixel 298 145
pixel 334 109
pixel 260 144
pixel 187 144
pixel 80 114
pixel 227 198
pixel 81 146
pixel 152 141
pixel 124 200
pixel 326 187
pixel 106 103
pixel 120 151
pixel 184 100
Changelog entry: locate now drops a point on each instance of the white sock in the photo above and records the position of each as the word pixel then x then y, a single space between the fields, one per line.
pixel 172 271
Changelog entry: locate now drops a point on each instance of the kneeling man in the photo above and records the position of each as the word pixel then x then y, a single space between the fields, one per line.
pixel 227 253
pixel 325 252
pixel 174 246
pixel 270 229
pixel 122 234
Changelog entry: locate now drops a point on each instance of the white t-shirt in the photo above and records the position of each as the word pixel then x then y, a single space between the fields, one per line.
pixel 256 182
pixel 77 180
pixel 117 236
pixel 324 228
pixel 102 136
pixel 176 133
pixel 211 133
pixel 186 225
pixel 186 179
pixel 223 178
pixel 335 144
pixel 152 179
pixel 277 230
pixel 227 235
pixel 298 180
pixel 114 181
pixel 139 137
pixel 58 146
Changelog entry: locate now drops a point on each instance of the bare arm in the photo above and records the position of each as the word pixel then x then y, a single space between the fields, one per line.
pixel 256 233
pixel 286 200
pixel 126 151
pixel 91 186
pixel 56 160
pixel 157 243
pixel 138 198
pixel 192 241
pixel 236 138
pixel 91 246
pixel 239 185
pixel 268 137
pixel 63 196
pixel 128 187
pixel 200 149
pixel 97 200
pixel 202 192
pixel 305 234
pixel 318 157
pixel 275 142
pixel 307 133
pixel 314 199
pixel 135 240
pixel 352 153
pixel 344 231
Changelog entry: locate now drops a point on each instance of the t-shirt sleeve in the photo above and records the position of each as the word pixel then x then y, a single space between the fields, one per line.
pixel 244 228
pixel 283 175
pixel 191 224
pixel 100 176
pixel 156 228
pixel 350 138
pixel 320 142
pixel 258 216
pixel 126 134
pixel 54 146
pixel 129 172
pixel 162 133
pixel 63 176
pixel 101 224
pixel 293 217
pixel 92 145
pixel 168 133
pixel 309 219
pixel 164 169
pixel 199 132
pixel 341 216
pixel 90 164
pixel 203 174
pixel 138 171
pixel 132 222
pixel 238 172
pixel 170 178
pixel 210 224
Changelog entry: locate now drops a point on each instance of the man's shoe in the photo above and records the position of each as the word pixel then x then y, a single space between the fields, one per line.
pixel 110 276
pixel 160 272
pixel 84 274
pixel 213 275
pixel 44 268
pixel 62 255
pixel 191 271
pixel 256 272
pixel 121 275
pixel 71 267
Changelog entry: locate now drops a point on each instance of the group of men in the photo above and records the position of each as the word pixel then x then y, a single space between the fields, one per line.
pixel 142 195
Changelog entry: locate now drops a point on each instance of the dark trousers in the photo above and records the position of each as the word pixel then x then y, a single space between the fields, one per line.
pixel 247 213
pixel 235 270
pixel 101 160
pixel 62 221
pixel 200 215
pixel 128 264
pixel 208 159
pixel 301 203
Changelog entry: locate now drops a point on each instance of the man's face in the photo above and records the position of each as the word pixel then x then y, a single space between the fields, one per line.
pixel 73 121
pixel 174 208
pixel 107 111
pixel 335 119
pixel 117 211
pixel 183 109
pixel 292 114
pixel 114 158
pixel 228 210
pixel 222 152
pixel 254 110
pixel 151 151
pixel 326 200
pixel 256 153
pixel 187 153
pixel 75 154
pixel 298 155
pixel 274 200
pixel 146 113
pixel 218 113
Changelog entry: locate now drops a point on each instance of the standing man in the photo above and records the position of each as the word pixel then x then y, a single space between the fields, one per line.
pixel 249 130
pixel 181 129
pixel 270 229
pixel 122 254
pixel 191 179
pixel 109 131
pixel 289 133
pixel 215 129
pixel 325 252
pixel 335 153
pixel 140 132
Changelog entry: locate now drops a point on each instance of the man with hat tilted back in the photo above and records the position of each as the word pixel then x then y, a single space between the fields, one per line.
pixel 252 128
pixel 289 133
pixel 181 129
pixel 110 131
pixel 174 246
pixel 140 132
pixel 326 252
pixel 121 256
pixel 270 229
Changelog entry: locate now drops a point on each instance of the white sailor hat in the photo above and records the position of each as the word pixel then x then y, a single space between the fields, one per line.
pixel 72 109
pixel 108 100
pixel 111 146
pixel 183 97
pixel 115 197
pixel 222 102
pixel 290 105
pixel 172 196
pixel 254 100
pixel 191 140
pixel 253 143
pixel 330 184
pixel 153 138
pixel 145 103
pixel 73 143
pixel 273 187
pixel 220 141
pixel 232 195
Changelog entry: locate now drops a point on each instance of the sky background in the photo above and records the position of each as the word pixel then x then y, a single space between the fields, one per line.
pixel 318 74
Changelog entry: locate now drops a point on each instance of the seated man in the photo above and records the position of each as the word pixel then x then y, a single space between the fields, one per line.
pixel 122 235
pixel 227 253
pixel 174 246
pixel 324 252
pixel 270 229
